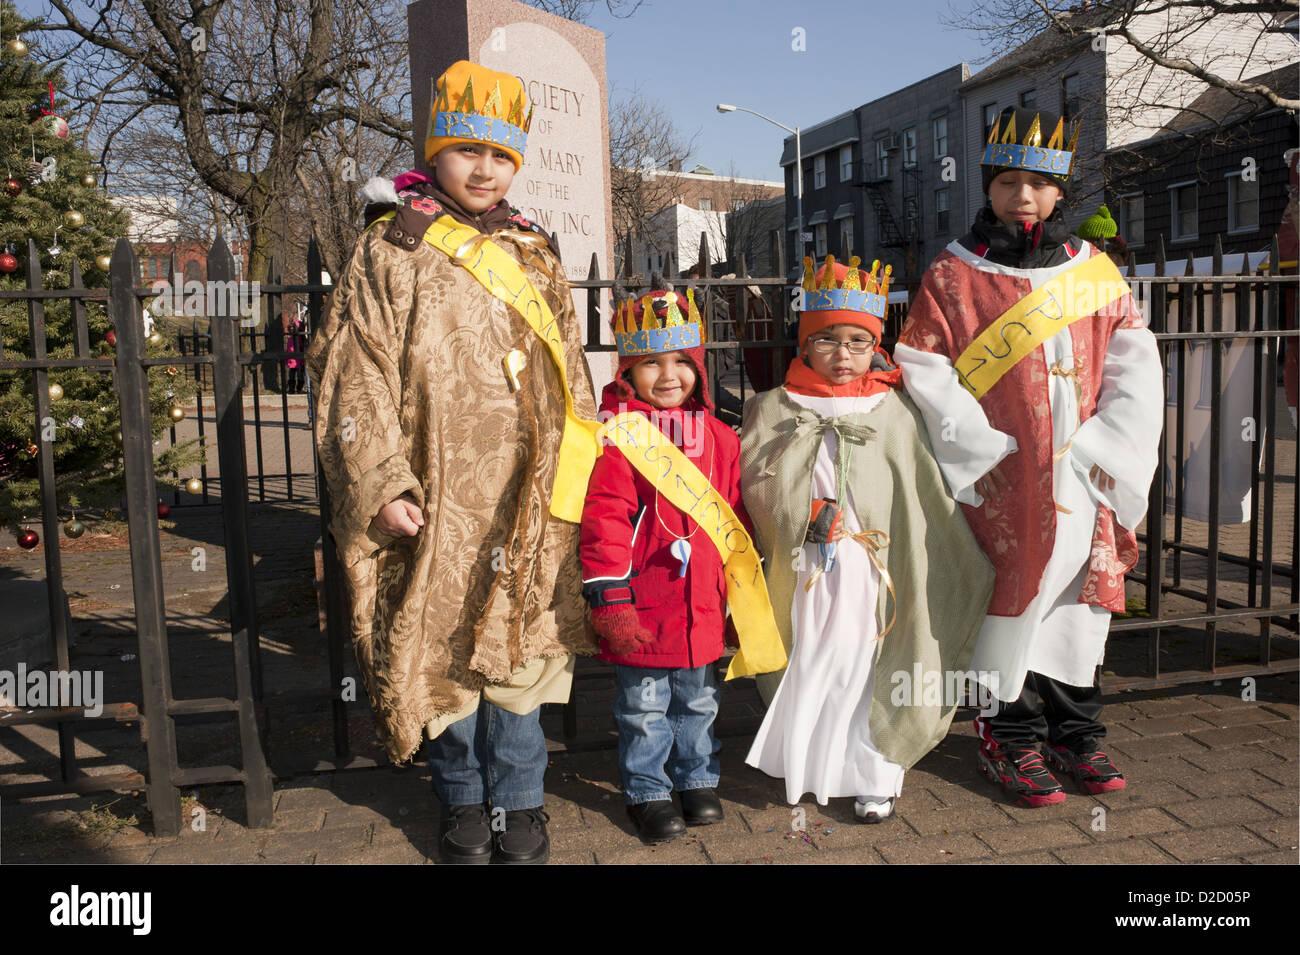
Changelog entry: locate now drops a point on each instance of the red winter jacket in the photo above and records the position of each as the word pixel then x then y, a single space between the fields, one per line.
pixel 623 544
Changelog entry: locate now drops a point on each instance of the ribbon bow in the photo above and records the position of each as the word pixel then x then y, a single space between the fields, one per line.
pixel 810 423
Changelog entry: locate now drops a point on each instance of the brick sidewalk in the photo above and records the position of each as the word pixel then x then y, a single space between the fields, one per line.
pixel 1211 779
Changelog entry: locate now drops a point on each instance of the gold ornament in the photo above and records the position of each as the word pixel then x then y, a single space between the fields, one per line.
pixel 194 486
pixel 74 528
pixel 56 391
pixel 103 261
pixel 89 180
pixel 155 338
pixel 17 47
pixel 74 219
pixel 117 436
pixel 177 413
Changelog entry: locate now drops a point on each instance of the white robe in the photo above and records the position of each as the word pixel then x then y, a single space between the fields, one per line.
pixel 1055 635
pixel 815 733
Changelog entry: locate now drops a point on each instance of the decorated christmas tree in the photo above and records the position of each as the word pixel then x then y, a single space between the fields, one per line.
pixel 51 195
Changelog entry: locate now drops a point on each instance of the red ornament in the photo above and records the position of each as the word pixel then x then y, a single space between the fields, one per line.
pixel 13 187
pixel 111 338
pixel 8 263
pixel 28 540
pixel 163 509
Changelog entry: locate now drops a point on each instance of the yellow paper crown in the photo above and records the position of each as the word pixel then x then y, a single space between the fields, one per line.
pixel 853 279
pixel 639 329
pixel 474 104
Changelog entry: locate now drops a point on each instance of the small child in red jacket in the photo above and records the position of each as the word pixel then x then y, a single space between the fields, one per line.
pixel 655 585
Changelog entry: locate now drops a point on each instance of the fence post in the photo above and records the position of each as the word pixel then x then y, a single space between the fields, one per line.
pixel 146 550
pixel 1216 453
pixel 228 394
pixel 56 597
pixel 337 610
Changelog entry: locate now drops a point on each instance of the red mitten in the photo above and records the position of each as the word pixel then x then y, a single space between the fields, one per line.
pixel 620 629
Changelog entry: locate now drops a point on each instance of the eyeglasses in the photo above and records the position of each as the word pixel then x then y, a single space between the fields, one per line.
pixel 829 346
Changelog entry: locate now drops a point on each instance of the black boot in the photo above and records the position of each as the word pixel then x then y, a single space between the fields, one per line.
pixel 524 841
pixel 701 807
pixel 464 836
pixel 657 821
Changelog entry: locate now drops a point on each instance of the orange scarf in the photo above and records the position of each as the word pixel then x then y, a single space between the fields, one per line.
pixel 802 380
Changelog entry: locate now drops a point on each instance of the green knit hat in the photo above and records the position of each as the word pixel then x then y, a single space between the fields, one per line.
pixel 1097 227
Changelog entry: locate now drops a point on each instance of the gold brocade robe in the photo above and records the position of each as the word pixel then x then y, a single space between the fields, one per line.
pixel 412 396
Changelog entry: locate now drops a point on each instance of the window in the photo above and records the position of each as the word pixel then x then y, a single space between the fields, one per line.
pixel 882 159
pixel 909 147
pixel 846 237
pixel 940 124
pixel 1182 211
pixel 941 210
pixel 819 234
pixel 819 172
pixel 990 117
pixel 1243 203
pixel 1029 99
pixel 1070 102
pixel 1132 216
pixel 706 205
pixel 774 248
pixel 846 163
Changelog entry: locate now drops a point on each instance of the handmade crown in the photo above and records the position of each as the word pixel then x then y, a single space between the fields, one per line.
pixel 481 115
pixel 1054 158
pixel 860 291
pixel 658 321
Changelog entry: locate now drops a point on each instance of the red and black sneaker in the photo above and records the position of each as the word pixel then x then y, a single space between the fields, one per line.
pixel 1093 771
pixel 1022 773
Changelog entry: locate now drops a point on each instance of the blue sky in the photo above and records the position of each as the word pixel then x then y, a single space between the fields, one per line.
pixel 690 55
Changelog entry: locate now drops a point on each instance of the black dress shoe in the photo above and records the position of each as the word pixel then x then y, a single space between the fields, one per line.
pixel 464 836
pixel 524 841
pixel 701 807
pixel 657 821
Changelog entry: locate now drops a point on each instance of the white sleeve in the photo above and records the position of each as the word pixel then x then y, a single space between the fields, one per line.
pixel 966 446
pixel 1122 437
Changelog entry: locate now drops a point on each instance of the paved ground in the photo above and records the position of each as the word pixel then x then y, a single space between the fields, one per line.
pixel 1211 779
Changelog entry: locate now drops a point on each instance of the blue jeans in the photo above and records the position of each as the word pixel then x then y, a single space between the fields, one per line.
pixel 492 752
pixel 665 730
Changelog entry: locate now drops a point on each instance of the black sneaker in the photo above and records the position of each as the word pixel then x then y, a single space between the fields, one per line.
pixel 1024 775
pixel 464 836
pixel 524 841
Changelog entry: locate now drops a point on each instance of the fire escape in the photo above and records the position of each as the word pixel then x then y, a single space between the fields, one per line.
pixel 894 229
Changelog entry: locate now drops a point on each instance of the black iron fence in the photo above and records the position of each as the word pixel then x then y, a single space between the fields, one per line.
pixel 1196 577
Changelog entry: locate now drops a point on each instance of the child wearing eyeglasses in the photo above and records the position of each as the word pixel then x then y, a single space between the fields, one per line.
pixel 871 568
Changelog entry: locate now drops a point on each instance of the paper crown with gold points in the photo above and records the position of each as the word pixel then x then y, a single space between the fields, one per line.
pixel 476 105
pixel 661 320
pixel 838 294
pixel 1030 140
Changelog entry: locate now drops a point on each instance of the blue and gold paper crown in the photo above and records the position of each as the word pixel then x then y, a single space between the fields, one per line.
pixel 668 322
pixel 860 291
pixel 1029 154
pixel 465 118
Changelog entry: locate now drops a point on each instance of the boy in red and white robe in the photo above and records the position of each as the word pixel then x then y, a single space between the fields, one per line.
pixel 1052 456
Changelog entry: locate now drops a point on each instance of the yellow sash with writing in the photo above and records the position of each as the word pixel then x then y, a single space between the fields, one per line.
pixel 677 478
pixel 1076 293
pixel 500 274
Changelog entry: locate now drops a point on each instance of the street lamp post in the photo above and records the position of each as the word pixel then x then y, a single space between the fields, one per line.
pixel 798 168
